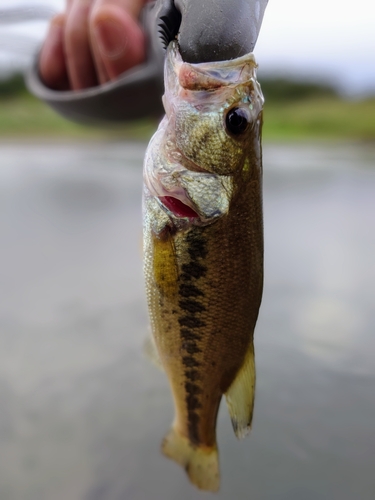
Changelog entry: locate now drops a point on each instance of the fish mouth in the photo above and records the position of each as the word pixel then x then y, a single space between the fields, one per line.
pixel 176 207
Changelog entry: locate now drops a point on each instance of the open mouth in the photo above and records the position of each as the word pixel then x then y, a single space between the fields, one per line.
pixel 178 208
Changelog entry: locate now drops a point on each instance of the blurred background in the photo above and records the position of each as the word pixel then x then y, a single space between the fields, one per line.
pixel 82 411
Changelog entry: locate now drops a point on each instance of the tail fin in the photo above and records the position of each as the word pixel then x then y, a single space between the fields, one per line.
pixel 201 463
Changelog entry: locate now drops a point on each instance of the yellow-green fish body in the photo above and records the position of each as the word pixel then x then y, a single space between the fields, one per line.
pixel 203 250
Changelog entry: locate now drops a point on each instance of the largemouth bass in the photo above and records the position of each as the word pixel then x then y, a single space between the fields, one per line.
pixel 203 250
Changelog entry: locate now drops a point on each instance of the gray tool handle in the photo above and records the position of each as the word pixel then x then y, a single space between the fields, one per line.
pixel 212 30
pixel 135 94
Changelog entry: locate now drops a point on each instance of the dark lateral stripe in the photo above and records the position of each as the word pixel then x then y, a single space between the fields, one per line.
pixel 197 248
pixel 192 388
pixel 190 362
pixel 194 269
pixel 193 418
pixel 191 348
pixel 188 290
pixel 192 306
pixel 189 335
pixel 192 375
pixel 192 403
pixel 193 421
pixel 191 322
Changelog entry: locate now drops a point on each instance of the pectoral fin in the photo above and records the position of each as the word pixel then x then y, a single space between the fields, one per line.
pixel 240 395
pixel 150 350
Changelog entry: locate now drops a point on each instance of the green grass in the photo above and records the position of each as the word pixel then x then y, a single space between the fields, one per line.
pixel 23 116
pixel 322 118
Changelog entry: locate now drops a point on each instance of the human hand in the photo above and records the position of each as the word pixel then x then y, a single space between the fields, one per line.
pixel 92 42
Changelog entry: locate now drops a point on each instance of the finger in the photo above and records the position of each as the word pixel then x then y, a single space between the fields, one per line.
pixel 79 61
pixel 52 67
pixel 101 71
pixel 117 40
pixel 132 7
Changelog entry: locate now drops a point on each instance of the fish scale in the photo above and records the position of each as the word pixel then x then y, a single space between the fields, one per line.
pixel 204 273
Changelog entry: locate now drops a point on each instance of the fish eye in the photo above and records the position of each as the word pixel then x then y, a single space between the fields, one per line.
pixel 237 120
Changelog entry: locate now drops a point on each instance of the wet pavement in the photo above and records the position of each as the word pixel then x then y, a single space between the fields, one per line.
pixel 83 412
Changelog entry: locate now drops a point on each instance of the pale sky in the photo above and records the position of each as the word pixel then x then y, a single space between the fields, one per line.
pixel 323 39
pixel 331 38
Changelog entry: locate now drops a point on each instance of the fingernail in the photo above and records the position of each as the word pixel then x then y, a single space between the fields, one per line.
pixel 111 38
pixel 54 34
pixel 56 28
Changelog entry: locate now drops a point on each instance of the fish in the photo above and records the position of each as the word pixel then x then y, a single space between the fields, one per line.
pixel 203 251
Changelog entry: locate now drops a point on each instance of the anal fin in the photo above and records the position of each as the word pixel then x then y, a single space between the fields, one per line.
pixel 201 463
pixel 240 395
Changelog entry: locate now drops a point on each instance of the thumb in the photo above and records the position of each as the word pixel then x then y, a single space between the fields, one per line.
pixel 117 41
